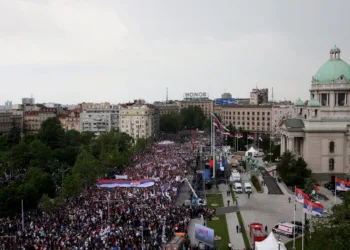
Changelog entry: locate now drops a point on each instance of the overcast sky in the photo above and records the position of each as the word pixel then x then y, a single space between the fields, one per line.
pixel 70 51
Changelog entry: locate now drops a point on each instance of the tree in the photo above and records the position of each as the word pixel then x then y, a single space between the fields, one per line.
pixel 333 233
pixel 72 185
pixel 170 123
pixel 293 171
pixel 14 135
pixel 51 133
pixel 19 157
pixel 85 167
pixel 192 118
pixel 39 155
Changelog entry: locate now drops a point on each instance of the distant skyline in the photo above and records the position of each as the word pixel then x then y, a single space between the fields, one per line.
pixel 71 51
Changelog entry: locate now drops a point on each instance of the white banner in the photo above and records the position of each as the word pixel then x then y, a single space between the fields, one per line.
pixel 121 177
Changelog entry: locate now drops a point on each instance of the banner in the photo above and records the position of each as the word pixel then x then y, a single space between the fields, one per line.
pixel 123 183
pixel 204 234
pixel 121 177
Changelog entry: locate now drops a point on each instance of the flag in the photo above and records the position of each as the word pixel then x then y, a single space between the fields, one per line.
pixel 342 185
pixel 250 137
pixel 300 196
pixel 260 139
pixel 227 134
pixel 272 136
pixel 238 135
pixel 216 121
pixel 316 188
pixel 312 208
pixel 227 130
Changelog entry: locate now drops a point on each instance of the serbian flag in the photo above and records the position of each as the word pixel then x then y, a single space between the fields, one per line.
pixel 316 188
pixel 216 121
pixel 250 137
pixel 272 136
pixel 342 185
pixel 239 135
pixel 227 134
pixel 300 196
pixel 312 208
pixel 224 128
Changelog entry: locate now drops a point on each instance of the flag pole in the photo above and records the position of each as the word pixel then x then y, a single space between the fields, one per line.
pixel 303 231
pixel 258 141
pixel 295 208
pixel 335 190
pixel 214 130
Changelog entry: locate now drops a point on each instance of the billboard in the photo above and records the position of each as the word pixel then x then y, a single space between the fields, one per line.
pixel 225 101
pixel 204 234
pixel 196 95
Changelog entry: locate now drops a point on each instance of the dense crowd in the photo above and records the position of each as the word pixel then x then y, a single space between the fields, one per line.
pixel 116 218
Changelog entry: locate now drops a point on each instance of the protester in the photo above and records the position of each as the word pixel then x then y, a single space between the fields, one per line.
pixel 135 213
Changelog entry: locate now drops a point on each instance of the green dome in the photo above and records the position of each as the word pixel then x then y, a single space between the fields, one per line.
pixel 334 70
pixel 299 103
pixel 313 103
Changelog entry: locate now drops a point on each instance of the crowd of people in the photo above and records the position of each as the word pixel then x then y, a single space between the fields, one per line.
pixel 116 218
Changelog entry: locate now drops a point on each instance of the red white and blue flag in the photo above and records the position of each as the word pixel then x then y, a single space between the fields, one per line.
pixel 312 208
pixel 227 134
pixel 238 135
pixel 342 185
pixel 250 137
pixel 300 196
pixel 272 136
pixel 216 121
pixel 125 183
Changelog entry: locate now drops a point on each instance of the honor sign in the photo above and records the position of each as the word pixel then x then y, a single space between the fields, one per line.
pixel 196 95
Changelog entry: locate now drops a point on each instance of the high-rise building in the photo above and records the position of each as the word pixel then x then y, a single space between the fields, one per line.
pixel 259 96
pixel 27 100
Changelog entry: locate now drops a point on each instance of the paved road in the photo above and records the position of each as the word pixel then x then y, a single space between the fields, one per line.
pixel 184 192
pixel 271 183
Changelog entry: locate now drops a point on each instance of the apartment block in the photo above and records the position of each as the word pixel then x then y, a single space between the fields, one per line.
pixel 167 108
pixel 7 118
pixel 205 104
pixel 34 115
pixel 70 120
pixel 99 117
pixel 280 112
pixel 139 120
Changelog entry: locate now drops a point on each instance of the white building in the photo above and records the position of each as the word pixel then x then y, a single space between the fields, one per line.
pixel 280 112
pixel 139 120
pixel 99 118
pixel 320 129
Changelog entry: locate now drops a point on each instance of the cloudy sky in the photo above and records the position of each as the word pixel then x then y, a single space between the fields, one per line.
pixel 70 51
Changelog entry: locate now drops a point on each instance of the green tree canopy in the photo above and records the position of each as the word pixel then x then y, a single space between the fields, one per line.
pixel 170 123
pixel 292 170
pixel 51 133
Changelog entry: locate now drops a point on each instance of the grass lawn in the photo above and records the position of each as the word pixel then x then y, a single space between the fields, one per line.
pixel 289 244
pixel 215 199
pixel 220 229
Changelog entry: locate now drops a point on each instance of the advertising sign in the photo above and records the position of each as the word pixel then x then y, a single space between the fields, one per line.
pixel 204 234
pixel 225 101
pixel 196 95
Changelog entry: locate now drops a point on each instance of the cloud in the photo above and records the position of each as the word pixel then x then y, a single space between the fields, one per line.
pixel 59 32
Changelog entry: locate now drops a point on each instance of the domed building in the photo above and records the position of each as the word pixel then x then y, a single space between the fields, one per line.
pixel 320 129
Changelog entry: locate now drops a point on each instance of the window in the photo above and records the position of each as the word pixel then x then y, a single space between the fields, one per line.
pixel 341 99
pixel 331 164
pixel 331 147
pixel 324 99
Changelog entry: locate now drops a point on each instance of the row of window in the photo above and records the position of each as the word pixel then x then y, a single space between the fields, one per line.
pixel 339 100
pixel 243 113
pixel 246 118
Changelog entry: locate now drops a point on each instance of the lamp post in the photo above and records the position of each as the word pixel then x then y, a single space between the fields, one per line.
pixel 279 243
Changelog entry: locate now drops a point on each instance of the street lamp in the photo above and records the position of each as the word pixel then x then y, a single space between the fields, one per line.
pixel 279 243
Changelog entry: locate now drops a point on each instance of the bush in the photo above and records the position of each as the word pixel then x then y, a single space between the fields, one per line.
pixel 256 183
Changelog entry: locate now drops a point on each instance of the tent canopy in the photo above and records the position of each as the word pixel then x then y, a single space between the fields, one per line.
pixel 270 243
pixel 252 152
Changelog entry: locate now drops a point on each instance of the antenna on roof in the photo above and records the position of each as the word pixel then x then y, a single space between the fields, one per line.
pixel 166 98
pixel 272 94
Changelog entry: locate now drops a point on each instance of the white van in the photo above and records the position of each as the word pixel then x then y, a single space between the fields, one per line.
pixel 248 187
pixel 286 229
pixel 235 176
pixel 237 187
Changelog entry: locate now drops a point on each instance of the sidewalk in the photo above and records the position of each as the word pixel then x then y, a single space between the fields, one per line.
pixel 232 221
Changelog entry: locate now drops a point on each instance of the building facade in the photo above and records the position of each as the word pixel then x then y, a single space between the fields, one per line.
pixel 205 104
pixel 34 115
pixel 255 118
pixel 7 119
pixel 167 108
pixel 320 128
pixel 70 120
pixel 259 96
pixel 139 120
pixel 280 112
pixel 99 118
